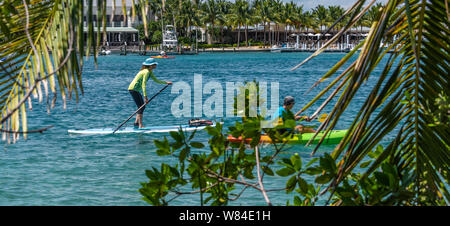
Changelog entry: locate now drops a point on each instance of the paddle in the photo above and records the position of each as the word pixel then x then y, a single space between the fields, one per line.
pixel 140 108
pixel 321 117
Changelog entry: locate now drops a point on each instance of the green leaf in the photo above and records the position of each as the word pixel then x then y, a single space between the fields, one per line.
pixel 407 95
pixel 183 153
pixel 290 123
pixel 197 144
pixel 327 163
pixel 313 170
pixel 267 170
pixel 174 171
pixel 365 164
pixel 286 162
pixel 267 159
pixel 379 150
pixel 151 175
pixel 163 147
pixel 404 102
pixel 285 171
pixel 346 194
pixel 248 173
pixel 297 201
pixel 212 131
pixel 303 185
pixel 382 178
pixel 323 179
pixel 192 135
pixel 290 185
pixel 176 136
pixel 296 162
pixel 312 162
pixel 255 140
pixel 162 152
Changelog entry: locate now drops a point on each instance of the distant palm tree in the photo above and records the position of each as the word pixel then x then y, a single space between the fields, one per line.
pixel 255 16
pixel 186 16
pixel 311 22
pixel 155 7
pixel 247 18
pixel 239 16
pixel 335 12
pixel 224 9
pixel 287 17
pixel 362 22
pixel 277 11
pixel 210 12
pixel 263 9
pixel 170 16
pixel 300 19
pixel 373 14
pixel 321 16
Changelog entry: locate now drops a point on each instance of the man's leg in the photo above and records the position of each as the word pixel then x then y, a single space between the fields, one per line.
pixel 139 119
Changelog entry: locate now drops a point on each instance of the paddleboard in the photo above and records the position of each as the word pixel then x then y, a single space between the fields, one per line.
pixel 333 137
pixel 150 129
pixel 161 57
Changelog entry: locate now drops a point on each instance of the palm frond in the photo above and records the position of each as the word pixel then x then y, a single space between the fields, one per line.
pixel 43 46
pixel 416 72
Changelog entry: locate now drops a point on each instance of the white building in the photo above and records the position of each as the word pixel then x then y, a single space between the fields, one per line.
pixel 120 28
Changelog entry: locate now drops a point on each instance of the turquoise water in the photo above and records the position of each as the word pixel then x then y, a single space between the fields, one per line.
pixel 55 168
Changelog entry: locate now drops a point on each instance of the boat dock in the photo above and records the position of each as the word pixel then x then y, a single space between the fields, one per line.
pixel 136 50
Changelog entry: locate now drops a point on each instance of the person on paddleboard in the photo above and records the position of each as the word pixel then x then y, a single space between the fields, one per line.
pixel 284 111
pixel 139 84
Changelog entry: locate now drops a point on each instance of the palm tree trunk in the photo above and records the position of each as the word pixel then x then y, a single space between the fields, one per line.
pixel 256 32
pixel 264 34
pixel 211 33
pixel 246 34
pixel 188 32
pixel 239 36
pixel 278 34
pixel 270 36
pixel 221 33
pixel 275 34
pixel 285 33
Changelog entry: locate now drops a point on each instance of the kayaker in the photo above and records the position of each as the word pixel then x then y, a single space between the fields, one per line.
pixel 285 111
pixel 139 84
pixel 163 54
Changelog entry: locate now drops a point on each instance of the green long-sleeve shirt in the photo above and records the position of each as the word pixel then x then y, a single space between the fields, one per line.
pixel 140 81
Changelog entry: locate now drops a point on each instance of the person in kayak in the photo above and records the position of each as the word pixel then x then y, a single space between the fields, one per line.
pixel 285 111
pixel 163 54
pixel 139 84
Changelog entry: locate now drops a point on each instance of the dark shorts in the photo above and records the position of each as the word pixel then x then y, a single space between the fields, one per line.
pixel 137 97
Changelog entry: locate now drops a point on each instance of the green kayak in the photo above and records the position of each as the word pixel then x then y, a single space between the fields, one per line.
pixel 333 137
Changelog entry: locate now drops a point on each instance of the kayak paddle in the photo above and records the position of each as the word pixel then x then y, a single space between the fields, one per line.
pixel 322 117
